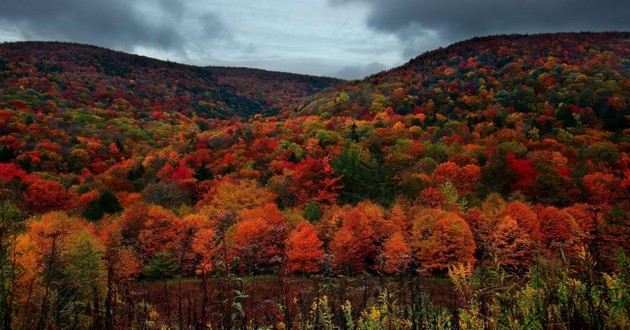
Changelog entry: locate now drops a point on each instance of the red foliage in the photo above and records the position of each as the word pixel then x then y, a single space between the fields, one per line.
pixel 45 195
pixel 432 197
pixel 602 187
pixel 525 217
pixel 9 171
pixel 181 173
pixel 625 183
pixel 523 169
pixel 314 180
pixel 464 178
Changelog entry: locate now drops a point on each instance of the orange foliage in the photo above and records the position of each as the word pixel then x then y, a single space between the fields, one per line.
pixel 314 180
pixel 232 196
pixel 525 217
pixel 559 230
pixel 585 217
pixel 159 233
pixel 510 244
pixel 451 242
pixel 396 255
pixel 305 251
pixel 122 261
pixel 354 245
pixel 202 240
pixel 464 178
pixel 258 239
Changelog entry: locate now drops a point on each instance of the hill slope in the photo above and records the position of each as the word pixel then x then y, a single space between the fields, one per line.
pixel 542 76
pixel 495 149
pixel 85 76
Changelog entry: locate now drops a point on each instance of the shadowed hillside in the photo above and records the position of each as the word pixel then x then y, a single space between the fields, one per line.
pixel 553 75
pixel 88 76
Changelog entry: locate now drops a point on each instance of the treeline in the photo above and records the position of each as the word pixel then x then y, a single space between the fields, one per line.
pixel 64 268
pixel 80 280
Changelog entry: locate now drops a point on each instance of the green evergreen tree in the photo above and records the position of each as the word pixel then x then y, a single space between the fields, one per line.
pixel 161 266
pixel 312 212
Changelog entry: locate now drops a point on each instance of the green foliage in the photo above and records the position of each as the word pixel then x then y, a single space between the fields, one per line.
pixel 161 266
pixel 110 202
pixel 203 173
pixel 320 316
pixel 85 267
pixel 605 152
pixel 496 175
pixel 514 147
pixel 6 154
pixel 363 180
pixel 551 188
pixel 449 191
pixel 11 219
pixel 167 194
pixel 436 151
pixel 312 212
pixel 106 203
pixel 297 152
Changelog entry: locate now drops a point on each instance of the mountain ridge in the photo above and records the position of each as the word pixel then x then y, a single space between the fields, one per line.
pixel 445 77
pixel 235 97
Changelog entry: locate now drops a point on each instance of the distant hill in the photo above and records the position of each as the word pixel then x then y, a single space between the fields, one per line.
pixel 87 76
pixel 555 75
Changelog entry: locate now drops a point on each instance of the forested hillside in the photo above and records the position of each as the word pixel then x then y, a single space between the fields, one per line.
pixel 73 76
pixel 494 153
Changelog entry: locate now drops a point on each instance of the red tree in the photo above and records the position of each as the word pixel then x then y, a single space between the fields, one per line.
pixel 45 195
pixel 523 170
pixel 314 180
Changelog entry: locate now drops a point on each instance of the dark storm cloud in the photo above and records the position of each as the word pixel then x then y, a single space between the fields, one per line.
pixel 420 23
pixel 119 24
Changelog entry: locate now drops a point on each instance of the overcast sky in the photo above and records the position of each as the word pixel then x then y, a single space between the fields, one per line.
pixel 341 38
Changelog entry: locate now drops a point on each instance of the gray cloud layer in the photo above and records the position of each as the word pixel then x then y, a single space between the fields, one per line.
pixel 306 36
pixel 422 23
pixel 359 71
pixel 118 24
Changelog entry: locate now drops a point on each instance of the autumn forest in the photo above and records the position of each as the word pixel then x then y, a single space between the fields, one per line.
pixel 485 185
